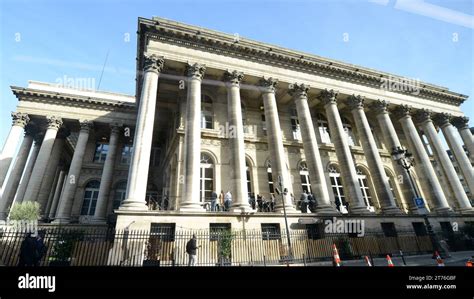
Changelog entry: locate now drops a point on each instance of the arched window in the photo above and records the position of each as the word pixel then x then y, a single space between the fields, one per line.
pixel 264 124
pixel 337 188
pixel 364 188
pixel 207 113
pixel 119 194
pixel 348 130
pixel 295 125
pixel 270 176
pixel 323 127
pixel 206 185
pixel 91 193
pixel 426 143
pixel 151 196
pixel 249 176
pixel 304 175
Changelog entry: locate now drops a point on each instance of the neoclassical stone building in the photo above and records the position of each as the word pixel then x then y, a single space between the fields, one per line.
pixel 216 112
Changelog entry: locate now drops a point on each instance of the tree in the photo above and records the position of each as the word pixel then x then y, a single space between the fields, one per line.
pixel 27 210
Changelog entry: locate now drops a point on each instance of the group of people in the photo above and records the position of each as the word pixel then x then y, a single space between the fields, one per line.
pixel 223 202
pixel 307 202
pixel 32 250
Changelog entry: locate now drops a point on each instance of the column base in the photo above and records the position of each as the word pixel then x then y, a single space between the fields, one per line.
pixel 98 220
pixel 359 210
pixel 326 210
pixel 61 221
pixel 393 210
pixel 241 208
pixel 466 211
pixel 443 211
pixel 191 207
pixel 289 210
pixel 133 205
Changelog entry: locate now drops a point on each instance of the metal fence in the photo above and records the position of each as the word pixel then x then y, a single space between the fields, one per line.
pixel 167 247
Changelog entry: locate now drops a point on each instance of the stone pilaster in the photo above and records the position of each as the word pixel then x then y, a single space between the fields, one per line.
pixel 391 141
pixel 19 121
pixel 67 199
pixel 107 175
pixel 377 172
pixel 275 144
pixel 443 120
pixel 11 185
pixel 44 155
pixel 343 153
pixel 311 149
pixel 462 124
pixel 424 118
pixel 426 174
pixel 140 160
pixel 236 139
pixel 190 201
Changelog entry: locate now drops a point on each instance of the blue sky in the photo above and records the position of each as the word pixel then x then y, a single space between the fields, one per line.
pixel 47 40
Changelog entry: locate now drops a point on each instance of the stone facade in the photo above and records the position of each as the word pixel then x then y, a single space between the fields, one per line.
pixel 213 113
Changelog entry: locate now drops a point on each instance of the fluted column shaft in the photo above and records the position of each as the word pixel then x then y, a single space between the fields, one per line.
pixel 20 193
pixel 13 181
pixel 47 183
pixel 190 201
pixel 57 194
pixel 140 161
pixel 67 199
pixel 43 159
pixel 443 159
pixel 107 176
pixel 275 145
pixel 462 124
pixel 377 172
pixel 20 120
pixel 427 175
pixel 459 154
pixel 311 150
pixel 234 111
pixel 343 153
pixel 391 141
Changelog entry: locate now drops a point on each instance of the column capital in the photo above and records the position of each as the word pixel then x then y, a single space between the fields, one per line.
pixel 20 119
pixel 195 71
pixel 268 84
pixel 380 106
pixel 298 90
pixel 328 96
pixel 423 115
pixel 153 63
pixel 442 119
pixel 355 102
pixel 233 77
pixel 461 122
pixel 402 111
pixel 86 125
pixel 54 122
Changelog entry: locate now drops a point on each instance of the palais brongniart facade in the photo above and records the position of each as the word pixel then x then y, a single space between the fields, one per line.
pixel 215 112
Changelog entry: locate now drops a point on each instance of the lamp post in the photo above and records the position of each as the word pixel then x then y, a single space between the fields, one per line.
pixel 406 160
pixel 285 191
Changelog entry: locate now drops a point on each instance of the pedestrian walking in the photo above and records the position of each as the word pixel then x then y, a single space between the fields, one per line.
pixel 191 250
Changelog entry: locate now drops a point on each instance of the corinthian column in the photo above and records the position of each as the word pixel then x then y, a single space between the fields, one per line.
pixel 107 175
pixel 462 124
pixel 391 141
pixel 20 194
pixel 65 204
pixel 190 201
pixel 343 153
pixel 234 111
pixel 11 184
pixel 382 187
pixel 275 143
pixel 311 149
pixel 140 161
pixel 458 151
pixel 43 158
pixel 18 124
pixel 427 175
pixel 424 117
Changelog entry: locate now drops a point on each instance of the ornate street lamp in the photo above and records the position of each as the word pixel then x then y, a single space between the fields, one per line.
pixel 283 194
pixel 406 160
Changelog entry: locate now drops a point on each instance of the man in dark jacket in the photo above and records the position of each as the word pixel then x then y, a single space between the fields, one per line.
pixel 191 248
pixel 40 248
pixel 27 252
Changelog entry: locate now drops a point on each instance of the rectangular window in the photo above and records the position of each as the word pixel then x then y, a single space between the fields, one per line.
pixel 446 227
pixel 271 231
pixel 264 125
pixel 419 228
pixel 217 229
pixel 126 155
pixel 163 231
pixel 388 229
pixel 101 150
pixel 315 231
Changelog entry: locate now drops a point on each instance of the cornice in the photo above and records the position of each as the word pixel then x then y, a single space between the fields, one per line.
pixel 226 44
